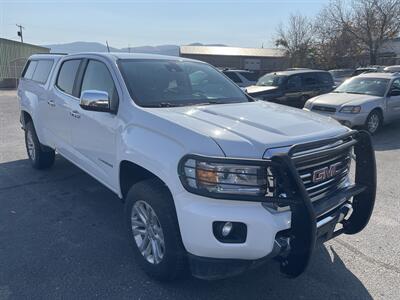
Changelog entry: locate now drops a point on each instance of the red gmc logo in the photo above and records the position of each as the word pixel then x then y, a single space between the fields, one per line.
pixel 325 173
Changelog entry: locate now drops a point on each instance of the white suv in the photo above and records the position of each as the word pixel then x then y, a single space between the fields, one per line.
pixel 211 179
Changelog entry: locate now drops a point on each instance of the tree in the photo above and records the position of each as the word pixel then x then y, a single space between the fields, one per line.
pixel 297 39
pixel 369 22
pixel 334 46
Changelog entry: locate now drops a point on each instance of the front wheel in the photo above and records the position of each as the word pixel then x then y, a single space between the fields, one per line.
pixel 41 157
pixel 373 122
pixel 153 228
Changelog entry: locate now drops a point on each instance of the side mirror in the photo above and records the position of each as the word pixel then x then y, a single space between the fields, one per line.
pixel 394 93
pixel 95 101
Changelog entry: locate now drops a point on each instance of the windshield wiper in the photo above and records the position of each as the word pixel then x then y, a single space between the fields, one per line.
pixel 357 93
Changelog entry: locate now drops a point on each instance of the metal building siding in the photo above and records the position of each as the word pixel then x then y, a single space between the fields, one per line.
pixel 13 56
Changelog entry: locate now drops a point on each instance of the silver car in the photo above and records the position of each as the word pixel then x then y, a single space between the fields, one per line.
pixel 368 100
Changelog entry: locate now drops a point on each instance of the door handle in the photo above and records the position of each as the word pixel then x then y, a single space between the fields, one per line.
pixel 75 114
pixel 51 103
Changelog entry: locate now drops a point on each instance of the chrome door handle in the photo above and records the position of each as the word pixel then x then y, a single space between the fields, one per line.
pixel 51 103
pixel 75 114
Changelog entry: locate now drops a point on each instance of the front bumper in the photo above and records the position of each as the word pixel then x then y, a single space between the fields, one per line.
pixel 349 120
pixel 291 235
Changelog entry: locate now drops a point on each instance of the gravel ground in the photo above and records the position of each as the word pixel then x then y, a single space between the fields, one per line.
pixel 62 236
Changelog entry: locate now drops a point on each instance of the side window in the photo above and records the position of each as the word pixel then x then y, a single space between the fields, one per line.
pixel 325 78
pixel 67 74
pixel 309 79
pixel 294 82
pixel 396 84
pixel 250 76
pixel 42 70
pixel 233 76
pixel 29 69
pixel 98 77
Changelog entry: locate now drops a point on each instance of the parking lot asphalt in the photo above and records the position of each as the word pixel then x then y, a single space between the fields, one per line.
pixel 62 236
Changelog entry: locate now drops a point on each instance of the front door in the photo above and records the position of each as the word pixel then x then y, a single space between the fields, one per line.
pixel 393 102
pixel 93 133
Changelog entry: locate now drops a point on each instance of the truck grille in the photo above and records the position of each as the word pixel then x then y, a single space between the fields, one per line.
pixel 332 170
pixel 327 109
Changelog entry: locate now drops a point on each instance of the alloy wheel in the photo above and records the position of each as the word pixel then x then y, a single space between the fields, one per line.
pixel 373 123
pixel 147 231
pixel 30 145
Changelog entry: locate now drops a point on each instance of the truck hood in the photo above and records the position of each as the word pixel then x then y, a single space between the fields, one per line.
pixel 258 89
pixel 247 130
pixel 339 99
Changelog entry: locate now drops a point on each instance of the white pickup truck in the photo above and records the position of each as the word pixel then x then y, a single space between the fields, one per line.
pixel 212 180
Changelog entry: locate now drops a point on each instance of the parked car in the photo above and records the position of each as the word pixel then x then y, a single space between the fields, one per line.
pixel 292 88
pixel 392 69
pixel 242 78
pixel 368 100
pixel 340 75
pixel 211 179
pixel 370 69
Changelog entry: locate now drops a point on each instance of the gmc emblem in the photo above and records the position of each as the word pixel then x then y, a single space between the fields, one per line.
pixel 325 173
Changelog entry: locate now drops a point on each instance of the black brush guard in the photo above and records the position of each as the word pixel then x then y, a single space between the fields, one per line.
pixel 304 232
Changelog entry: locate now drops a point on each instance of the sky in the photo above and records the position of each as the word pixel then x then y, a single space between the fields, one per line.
pixel 133 23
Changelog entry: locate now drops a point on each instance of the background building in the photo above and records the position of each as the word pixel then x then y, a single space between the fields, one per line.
pixel 261 60
pixel 390 52
pixel 13 56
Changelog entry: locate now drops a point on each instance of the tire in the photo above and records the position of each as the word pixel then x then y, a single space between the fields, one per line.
pixel 40 156
pixel 152 196
pixel 374 122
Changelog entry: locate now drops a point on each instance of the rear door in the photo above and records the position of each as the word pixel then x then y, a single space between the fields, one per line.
pixel 60 104
pixel 93 133
pixel 311 86
pixel 393 102
pixel 293 91
pixel 325 82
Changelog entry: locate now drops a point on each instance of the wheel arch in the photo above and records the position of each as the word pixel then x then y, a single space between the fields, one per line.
pixel 380 110
pixel 131 173
pixel 25 118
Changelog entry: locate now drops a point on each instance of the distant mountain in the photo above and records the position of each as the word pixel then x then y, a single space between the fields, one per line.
pixel 76 47
pixel 163 50
pixel 80 47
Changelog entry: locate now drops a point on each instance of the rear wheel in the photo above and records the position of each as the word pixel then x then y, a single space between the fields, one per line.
pixel 153 227
pixel 374 121
pixel 40 156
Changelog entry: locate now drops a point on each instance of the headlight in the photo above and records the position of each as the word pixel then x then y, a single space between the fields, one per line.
pixel 350 109
pixel 227 178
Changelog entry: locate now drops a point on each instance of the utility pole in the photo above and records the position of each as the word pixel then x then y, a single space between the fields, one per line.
pixel 20 32
pixel 108 48
pixel 129 48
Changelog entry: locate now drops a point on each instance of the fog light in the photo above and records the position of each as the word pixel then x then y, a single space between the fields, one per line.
pixel 230 232
pixel 226 229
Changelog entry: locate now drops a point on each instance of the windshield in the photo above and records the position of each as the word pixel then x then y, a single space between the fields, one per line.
pixel 271 80
pixel 165 83
pixel 367 86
